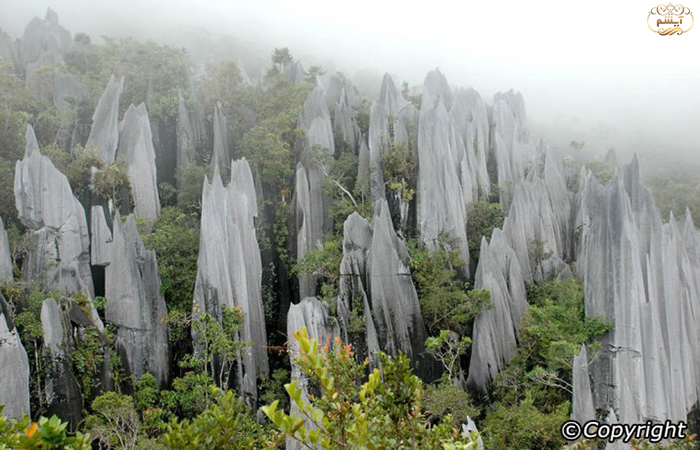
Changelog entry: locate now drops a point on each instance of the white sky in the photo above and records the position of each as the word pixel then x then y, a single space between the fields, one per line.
pixel 581 66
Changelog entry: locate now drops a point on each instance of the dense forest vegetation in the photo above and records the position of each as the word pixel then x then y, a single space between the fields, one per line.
pixel 351 405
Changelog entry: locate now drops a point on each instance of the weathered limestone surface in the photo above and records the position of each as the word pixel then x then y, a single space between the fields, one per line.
pixel 294 73
pixel 60 252
pixel 315 316
pixel 441 203
pixel 135 303
pixel 312 204
pixel 14 367
pixel 185 134
pixel 44 35
pixel 229 269
pixel 8 51
pixel 100 238
pixel 643 275
pixel 471 122
pixel 221 156
pixel 104 134
pixel 136 149
pixel 62 392
pixel 582 402
pixel 5 255
pixel 496 329
pixel 345 122
pixel 510 141
pixel 391 106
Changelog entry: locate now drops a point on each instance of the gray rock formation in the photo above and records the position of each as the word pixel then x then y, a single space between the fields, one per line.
pixel 467 431
pixel 643 276
pixel 61 392
pixel 471 124
pixel 442 208
pixel 510 140
pixel 496 329
pixel 14 367
pixel 136 149
pixel 294 73
pixel 391 106
pixel 185 135
pixel 229 269
pixel 345 122
pixel 44 35
pixel 313 315
pixel 5 255
pixel 135 303
pixel 104 134
pixel 582 402
pixel 59 256
pixel 376 286
pixel 100 237
pixel 312 204
pixel 221 156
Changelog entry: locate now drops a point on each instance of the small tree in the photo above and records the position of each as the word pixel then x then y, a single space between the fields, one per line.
pixel 281 57
pixel 447 348
pixel 115 422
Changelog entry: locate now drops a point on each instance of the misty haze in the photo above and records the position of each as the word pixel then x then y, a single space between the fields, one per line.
pixel 266 224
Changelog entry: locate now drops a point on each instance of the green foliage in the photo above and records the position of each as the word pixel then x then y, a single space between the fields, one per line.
pixel 272 388
pixel 447 347
pixel 383 412
pixel 524 426
pixel 189 395
pixel 400 167
pixel 483 218
pixel 190 178
pixel 675 190
pixel 45 433
pixel 323 262
pixel 86 359
pixel 313 73
pixel 445 302
pixel 281 57
pixel 115 422
pixel 552 333
pixel 603 171
pixel 226 423
pixel 444 399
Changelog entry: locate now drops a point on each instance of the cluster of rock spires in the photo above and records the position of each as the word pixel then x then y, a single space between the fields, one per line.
pixel 644 276
pixel 229 269
pixel 639 273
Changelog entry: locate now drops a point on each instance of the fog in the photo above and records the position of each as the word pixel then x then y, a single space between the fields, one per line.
pixel 590 72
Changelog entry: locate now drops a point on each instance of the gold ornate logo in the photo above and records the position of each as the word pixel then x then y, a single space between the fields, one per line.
pixel 670 19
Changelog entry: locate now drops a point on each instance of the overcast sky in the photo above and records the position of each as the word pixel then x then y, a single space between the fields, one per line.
pixel 588 70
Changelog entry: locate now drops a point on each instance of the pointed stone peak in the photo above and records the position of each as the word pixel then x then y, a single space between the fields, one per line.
pixel 436 90
pixel 51 16
pixel 32 145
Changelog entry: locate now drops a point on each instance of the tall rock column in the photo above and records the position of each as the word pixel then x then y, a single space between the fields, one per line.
pixel 229 269
pixel 14 367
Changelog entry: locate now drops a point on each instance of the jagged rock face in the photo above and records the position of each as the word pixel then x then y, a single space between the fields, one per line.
pixel 441 204
pixel 294 73
pixel 44 35
pixel 100 237
pixel 185 134
pixel 582 409
pixel 62 392
pixel 510 141
pixel 468 428
pixel 136 149
pixel 345 122
pixel 355 285
pixel 312 204
pixel 135 304
pixel 496 329
pixel 14 367
pixel 394 301
pixel 104 134
pixel 313 315
pixel 391 106
pixel 471 123
pixel 229 269
pixel 5 255
pixel 641 275
pixel 60 254
pixel 221 157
